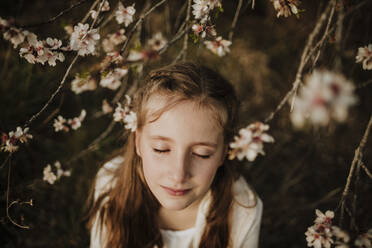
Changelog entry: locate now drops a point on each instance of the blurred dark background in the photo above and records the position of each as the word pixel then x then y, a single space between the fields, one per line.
pixel 302 171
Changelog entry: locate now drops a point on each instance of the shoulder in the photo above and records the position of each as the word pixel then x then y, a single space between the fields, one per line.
pixel 105 176
pixel 246 211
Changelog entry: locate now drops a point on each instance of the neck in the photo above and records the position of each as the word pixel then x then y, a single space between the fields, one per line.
pixel 178 219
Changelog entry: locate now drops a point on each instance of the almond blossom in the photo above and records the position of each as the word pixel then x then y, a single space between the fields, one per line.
pixel 365 57
pixel 326 95
pixel 113 40
pixel 202 8
pixel 84 40
pixel 15 36
pixel 249 143
pixel 9 142
pixel 157 42
pixel 42 51
pixel 285 7
pixel 75 122
pixel 202 30
pixel 364 240
pixel 126 115
pixel 62 124
pixel 125 15
pixel 103 7
pixel 320 235
pixel 50 177
pixel 113 79
pixel 83 83
pixel 219 46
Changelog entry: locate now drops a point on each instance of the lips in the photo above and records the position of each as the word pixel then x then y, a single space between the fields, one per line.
pixel 176 192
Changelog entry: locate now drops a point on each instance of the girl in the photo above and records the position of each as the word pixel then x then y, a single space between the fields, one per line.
pixel 173 186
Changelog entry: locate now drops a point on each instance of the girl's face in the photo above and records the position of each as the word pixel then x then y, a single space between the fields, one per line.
pixel 181 152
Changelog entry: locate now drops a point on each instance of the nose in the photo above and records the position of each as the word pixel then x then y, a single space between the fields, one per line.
pixel 180 168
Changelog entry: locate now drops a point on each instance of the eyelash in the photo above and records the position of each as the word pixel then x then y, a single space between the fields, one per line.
pixel 165 151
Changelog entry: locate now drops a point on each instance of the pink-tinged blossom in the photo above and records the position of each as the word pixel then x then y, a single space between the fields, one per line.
pixel 81 84
pixel 135 55
pixel 250 141
pixel 113 40
pixel 202 30
pixel 125 15
pixel 324 217
pixel 318 238
pixel 219 46
pixel 285 7
pixel 113 79
pixel 60 124
pixel 75 122
pixel 365 57
pixel 325 96
pixel 84 40
pixel 126 115
pixel 157 42
pixel 9 142
pixel 364 240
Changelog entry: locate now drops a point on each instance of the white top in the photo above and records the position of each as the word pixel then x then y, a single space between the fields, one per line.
pixel 246 217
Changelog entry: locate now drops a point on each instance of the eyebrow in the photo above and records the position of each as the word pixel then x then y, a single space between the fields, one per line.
pixel 159 137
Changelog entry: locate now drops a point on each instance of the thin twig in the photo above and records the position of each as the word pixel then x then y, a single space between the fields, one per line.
pixel 304 59
pixel 28 123
pixel 325 35
pixel 175 38
pixel 7 200
pixel 6 160
pixel 55 17
pixel 357 157
pixel 88 13
pixel 364 84
pixel 364 167
pixel 139 21
pixel 186 37
pixel 235 20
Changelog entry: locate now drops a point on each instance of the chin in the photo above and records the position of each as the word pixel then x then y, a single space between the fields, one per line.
pixel 176 205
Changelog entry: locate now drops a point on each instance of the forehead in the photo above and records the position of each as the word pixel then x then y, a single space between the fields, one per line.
pixel 182 119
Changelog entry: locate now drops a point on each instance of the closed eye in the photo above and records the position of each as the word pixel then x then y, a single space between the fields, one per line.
pixel 160 150
pixel 202 156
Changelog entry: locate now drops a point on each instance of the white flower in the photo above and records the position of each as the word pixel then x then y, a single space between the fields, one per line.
pixel 125 115
pixel 130 121
pixel 49 175
pixel 113 40
pixel 364 240
pixel 318 237
pixel 341 235
pixel 106 108
pixel 285 7
pixel 9 146
pixel 105 7
pixel 324 218
pixel 250 142
pixel 135 55
pixel 365 57
pixel 113 79
pixel 157 42
pixel 84 40
pixel 325 96
pixel 81 84
pixel 15 36
pixel 22 135
pixel 60 171
pixel 125 15
pixel 119 113
pixel 219 46
pixel 75 122
pixel 59 124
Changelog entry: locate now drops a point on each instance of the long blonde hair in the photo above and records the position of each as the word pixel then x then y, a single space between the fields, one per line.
pixel 128 209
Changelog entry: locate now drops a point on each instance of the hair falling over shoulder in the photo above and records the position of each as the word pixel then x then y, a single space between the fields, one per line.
pixel 127 212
